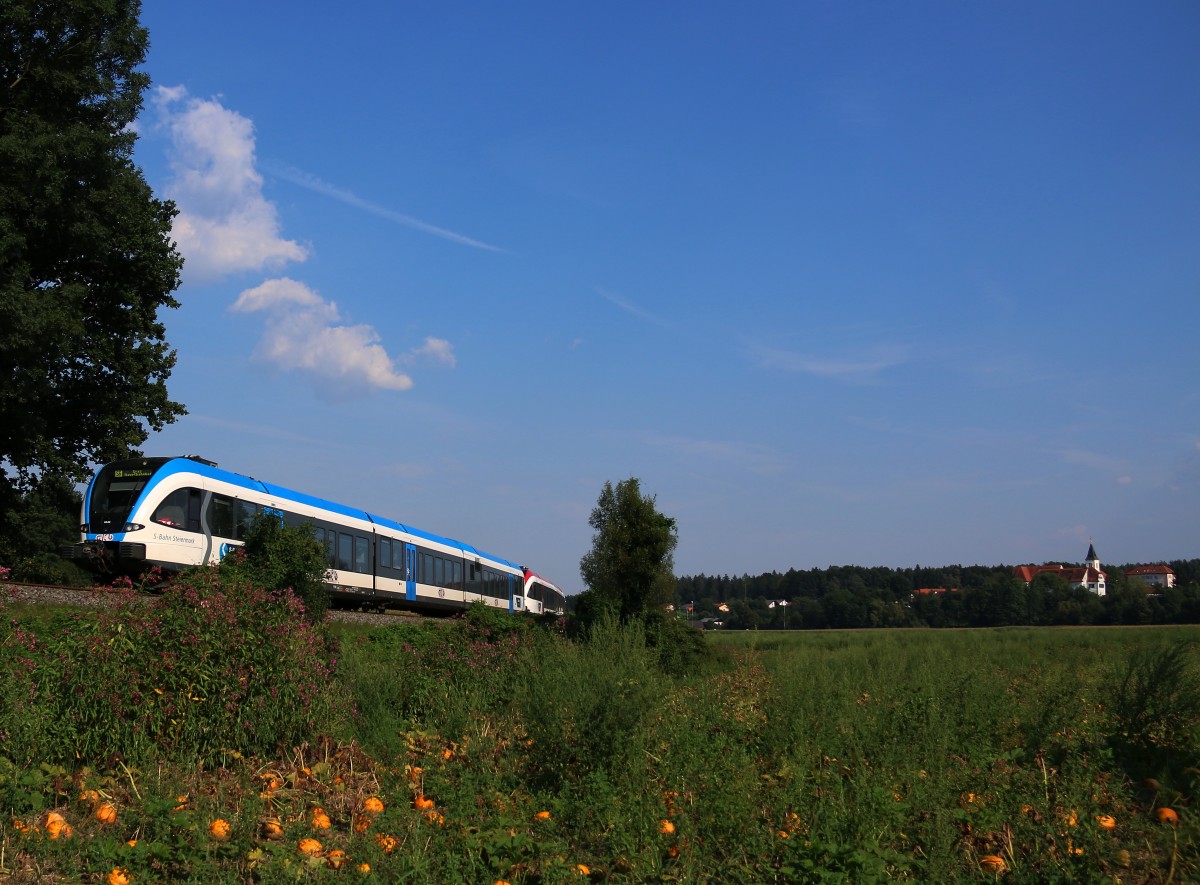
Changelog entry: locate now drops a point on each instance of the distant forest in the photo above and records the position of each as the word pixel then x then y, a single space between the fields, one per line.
pixel 947 596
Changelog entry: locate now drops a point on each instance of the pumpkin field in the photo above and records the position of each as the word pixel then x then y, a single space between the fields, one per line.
pixel 215 736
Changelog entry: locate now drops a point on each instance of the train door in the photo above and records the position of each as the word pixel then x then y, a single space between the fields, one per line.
pixel 512 592
pixel 410 572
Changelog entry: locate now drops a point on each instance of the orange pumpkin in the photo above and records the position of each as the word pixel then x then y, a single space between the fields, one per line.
pixel 421 803
pixel 335 858
pixel 272 828
pixel 106 813
pixel 666 827
pixel 993 863
pixel 118 876
pixel 59 829
pixel 373 805
pixel 1106 821
pixel 220 829
pixel 386 843
pixel 542 815
pixel 309 847
pixel 1166 815
pixel 364 868
pixel 320 820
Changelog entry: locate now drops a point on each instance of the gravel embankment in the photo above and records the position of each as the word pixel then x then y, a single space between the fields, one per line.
pixel 43 594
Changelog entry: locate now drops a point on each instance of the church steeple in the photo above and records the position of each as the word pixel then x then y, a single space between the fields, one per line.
pixel 1092 559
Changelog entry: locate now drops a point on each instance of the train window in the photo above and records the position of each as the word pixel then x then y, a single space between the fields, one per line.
pixel 220 516
pixel 172 512
pixel 331 548
pixel 246 511
pixel 362 555
pixel 345 552
pixel 385 553
pixel 456 575
pixel 319 537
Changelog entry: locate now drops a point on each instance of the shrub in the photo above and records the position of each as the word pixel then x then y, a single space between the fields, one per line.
pixel 283 557
pixel 215 664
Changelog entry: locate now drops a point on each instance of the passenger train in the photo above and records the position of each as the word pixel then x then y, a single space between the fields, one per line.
pixel 185 511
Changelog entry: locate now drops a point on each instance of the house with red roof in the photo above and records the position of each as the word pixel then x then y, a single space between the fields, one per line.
pixel 1089 575
pixel 1155 575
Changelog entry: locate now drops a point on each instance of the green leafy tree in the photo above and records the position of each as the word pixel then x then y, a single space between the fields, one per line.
pixel 629 569
pixel 276 556
pixel 86 256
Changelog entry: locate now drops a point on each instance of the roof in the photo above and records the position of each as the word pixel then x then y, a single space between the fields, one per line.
pixel 1150 570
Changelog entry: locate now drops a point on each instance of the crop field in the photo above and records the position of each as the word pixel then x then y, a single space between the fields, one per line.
pixel 214 738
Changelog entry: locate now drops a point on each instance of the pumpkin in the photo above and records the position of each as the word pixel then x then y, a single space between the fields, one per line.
pixel 582 869
pixel 106 813
pixel 320 820
pixel 386 843
pixel 1166 815
pixel 272 828
pixel 309 847
pixel 1106 821
pixel 335 858
pixel 362 823
pixel 666 827
pixel 373 805
pixel 542 815
pixel 421 803
pixel 59 829
pixel 89 796
pixel 364 868
pixel 993 863
pixel 220 829
pixel 118 876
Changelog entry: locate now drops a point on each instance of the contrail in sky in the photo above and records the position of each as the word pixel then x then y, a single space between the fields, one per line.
pixel 311 182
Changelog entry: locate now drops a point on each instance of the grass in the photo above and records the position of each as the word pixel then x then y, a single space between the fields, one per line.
pixel 503 752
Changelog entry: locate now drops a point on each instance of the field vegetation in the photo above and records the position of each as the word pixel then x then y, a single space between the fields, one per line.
pixel 216 736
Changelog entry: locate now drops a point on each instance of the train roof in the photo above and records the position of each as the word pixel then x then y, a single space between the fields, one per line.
pixel 194 464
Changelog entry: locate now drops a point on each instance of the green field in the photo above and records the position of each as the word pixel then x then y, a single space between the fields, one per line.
pixel 503 752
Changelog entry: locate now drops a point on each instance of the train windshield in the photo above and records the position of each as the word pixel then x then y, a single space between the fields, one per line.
pixel 115 490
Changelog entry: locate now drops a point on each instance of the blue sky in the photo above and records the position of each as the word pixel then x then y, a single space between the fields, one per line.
pixel 839 282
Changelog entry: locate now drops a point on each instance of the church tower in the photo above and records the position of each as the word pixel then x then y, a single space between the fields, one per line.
pixel 1093 561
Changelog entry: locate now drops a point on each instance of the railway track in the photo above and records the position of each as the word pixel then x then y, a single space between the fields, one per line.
pixel 98 597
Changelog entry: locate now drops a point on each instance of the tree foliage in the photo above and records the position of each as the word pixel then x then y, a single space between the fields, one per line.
pixel 629 569
pixel 86 257
pixel 280 557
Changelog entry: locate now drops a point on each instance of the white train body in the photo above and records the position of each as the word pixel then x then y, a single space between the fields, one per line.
pixel 181 512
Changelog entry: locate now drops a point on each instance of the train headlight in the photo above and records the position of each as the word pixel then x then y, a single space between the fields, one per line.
pixel 132 527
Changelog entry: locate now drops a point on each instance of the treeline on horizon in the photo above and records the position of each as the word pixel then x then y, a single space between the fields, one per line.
pixel 973 596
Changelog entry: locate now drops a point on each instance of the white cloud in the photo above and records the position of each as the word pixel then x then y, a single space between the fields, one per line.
pixel 304 333
pixel 225 224
pixel 845 367
pixel 437 350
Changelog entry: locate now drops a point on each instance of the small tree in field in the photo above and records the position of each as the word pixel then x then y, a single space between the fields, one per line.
pixel 628 571
pixel 282 557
